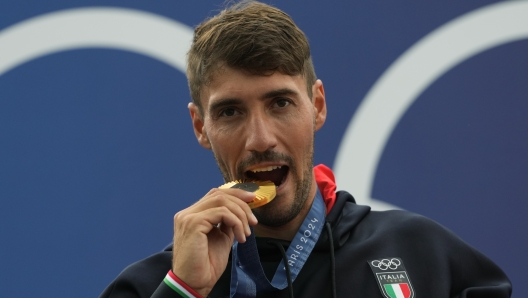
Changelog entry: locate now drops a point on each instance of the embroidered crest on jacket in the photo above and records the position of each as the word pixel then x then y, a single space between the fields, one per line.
pixel 392 278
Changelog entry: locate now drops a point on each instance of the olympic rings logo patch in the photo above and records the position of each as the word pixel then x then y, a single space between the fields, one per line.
pixel 385 264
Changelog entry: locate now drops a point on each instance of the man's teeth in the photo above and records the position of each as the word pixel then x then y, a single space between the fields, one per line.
pixel 265 169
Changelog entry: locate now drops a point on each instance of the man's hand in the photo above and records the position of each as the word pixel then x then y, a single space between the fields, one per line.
pixel 204 234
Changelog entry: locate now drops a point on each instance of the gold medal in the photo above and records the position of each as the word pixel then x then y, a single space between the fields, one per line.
pixel 264 190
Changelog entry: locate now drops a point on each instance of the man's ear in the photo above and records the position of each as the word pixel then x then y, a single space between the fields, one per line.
pixel 198 125
pixel 319 102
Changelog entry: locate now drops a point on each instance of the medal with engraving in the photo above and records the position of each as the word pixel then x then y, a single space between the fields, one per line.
pixel 392 277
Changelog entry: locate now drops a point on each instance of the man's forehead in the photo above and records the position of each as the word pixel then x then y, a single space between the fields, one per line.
pixel 228 83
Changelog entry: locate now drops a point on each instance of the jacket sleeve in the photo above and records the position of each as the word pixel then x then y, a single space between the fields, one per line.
pixel 439 263
pixel 468 272
pixel 172 286
pixel 143 279
pixel 474 275
pixel 124 289
pixel 164 291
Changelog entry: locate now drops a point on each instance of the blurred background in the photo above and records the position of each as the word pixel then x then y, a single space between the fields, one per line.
pixel 97 151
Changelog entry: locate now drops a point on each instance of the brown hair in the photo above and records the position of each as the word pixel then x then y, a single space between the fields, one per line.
pixel 250 36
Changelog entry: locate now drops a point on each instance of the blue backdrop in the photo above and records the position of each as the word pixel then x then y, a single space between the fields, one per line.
pixel 97 151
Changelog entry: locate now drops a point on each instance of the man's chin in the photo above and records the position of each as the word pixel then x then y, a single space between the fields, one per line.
pixel 275 213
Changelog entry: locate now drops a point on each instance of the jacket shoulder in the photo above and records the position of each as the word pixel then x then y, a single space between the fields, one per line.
pixel 427 247
pixel 408 224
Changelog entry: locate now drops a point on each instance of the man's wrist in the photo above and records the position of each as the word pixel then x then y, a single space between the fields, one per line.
pixel 179 286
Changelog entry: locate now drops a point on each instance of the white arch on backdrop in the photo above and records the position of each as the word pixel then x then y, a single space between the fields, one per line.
pixel 368 132
pixel 380 111
pixel 101 27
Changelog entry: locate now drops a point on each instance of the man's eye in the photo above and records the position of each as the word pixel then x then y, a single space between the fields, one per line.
pixel 281 103
pixel 229 112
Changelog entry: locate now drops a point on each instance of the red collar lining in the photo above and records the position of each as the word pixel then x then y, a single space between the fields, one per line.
pixel 326 182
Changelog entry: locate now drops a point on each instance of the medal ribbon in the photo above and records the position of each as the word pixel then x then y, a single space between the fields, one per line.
pixel 247 275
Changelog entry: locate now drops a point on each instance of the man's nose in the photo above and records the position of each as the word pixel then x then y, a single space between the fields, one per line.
pixel 260 134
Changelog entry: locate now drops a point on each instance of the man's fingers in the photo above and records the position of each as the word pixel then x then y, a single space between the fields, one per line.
pixel 229 214
pixel 245 196
pixel 227 219
pixel 219 197
pixel 239 212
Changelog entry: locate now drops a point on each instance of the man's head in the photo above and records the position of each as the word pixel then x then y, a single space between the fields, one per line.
pixel 249 36
pixel 257 104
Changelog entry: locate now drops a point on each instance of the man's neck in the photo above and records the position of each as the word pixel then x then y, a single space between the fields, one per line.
pixel 285 232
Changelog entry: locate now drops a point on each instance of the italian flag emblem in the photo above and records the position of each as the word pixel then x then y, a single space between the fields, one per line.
pixel 392 277
pixel 398 290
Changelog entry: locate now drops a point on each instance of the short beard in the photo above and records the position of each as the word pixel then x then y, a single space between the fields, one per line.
pixel 272 216
pixel 269 214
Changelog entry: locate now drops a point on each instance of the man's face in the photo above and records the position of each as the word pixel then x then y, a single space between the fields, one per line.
pixel 262 128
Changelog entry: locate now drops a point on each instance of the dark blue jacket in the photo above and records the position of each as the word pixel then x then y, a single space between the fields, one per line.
pixel 437 263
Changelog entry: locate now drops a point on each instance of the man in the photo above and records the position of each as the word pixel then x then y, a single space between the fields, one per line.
pixel 257 105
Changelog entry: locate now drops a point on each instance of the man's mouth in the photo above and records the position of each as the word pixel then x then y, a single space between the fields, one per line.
pixel 276 174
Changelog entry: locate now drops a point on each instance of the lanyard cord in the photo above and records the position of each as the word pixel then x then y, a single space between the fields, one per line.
pixel 285 259
pixel 332 258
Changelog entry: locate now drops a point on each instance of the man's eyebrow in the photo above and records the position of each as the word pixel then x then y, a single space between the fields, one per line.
pixel 218 104
pixel 223 103
pixel 278 92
